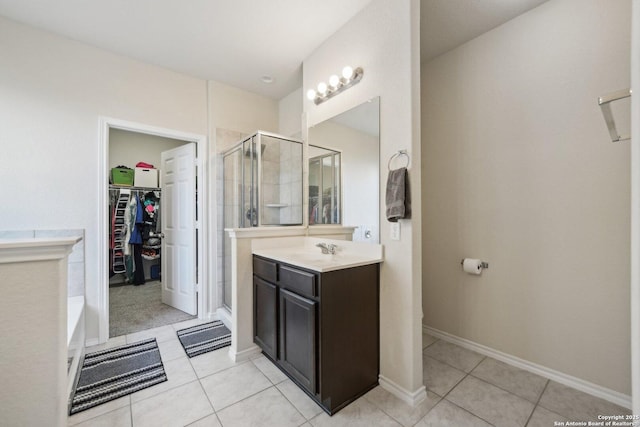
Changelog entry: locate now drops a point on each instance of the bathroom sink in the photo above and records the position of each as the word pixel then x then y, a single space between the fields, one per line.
pixel 348 254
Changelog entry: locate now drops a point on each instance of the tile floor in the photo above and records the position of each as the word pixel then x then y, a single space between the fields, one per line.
pixel 463 389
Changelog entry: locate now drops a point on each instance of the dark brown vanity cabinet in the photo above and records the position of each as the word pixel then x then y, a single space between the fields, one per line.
pixel 265 316
pixel 321 329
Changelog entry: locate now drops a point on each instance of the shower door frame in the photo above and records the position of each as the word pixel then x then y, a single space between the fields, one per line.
pixel 256 141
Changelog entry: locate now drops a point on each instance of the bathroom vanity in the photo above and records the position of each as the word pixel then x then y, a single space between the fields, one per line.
pixel 317 318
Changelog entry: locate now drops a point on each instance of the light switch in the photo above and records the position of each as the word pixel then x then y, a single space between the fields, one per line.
pixel 395 231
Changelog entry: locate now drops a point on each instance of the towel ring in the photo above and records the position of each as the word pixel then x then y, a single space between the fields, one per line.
pixel 399 154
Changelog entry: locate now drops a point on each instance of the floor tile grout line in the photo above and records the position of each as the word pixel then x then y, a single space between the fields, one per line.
pixel 388 414
pixel 243 399
pixel 221 370
pixel 537 403
pixel 453 403
pixel 427 346
pixel 446 363
pixel 158 393
pixel 292 404
pixel 502 389
pixel 100 415
pixel 468 411
pixel 456 367
pixel 210 403
pixel 508 391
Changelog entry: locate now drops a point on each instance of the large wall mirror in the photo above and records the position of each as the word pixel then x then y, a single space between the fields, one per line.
pixel 344 171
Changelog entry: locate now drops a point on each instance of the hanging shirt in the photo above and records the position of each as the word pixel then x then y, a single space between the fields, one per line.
pixel 130 222
pixel 136 235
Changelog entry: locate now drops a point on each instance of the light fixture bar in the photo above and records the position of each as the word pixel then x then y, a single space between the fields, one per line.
pixel 336 85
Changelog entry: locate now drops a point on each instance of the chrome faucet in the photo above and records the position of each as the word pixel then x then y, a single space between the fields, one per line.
pixel 327 248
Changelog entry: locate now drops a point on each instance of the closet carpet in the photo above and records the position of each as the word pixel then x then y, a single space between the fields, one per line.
pixel 136 308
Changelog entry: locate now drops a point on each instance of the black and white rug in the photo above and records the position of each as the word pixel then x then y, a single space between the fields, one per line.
pixel 204 338
pixel 116 372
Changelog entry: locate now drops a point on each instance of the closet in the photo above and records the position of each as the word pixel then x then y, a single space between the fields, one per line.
pixel 152 237
pixel 134 234
pixel 135 261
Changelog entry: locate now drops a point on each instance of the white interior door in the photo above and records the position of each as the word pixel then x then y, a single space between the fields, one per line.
pixel 178 217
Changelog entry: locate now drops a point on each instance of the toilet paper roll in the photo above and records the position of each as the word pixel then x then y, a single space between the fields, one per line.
pixel 472 266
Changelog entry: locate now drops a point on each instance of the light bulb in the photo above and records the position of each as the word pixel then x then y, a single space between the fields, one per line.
pixel 347 72
pixel 322 88
pixel 311 94
pixel 334 81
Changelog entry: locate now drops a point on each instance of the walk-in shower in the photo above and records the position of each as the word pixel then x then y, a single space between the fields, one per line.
pixel 262 187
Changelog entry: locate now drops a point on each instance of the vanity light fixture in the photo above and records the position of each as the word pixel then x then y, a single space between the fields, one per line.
pixel 336 85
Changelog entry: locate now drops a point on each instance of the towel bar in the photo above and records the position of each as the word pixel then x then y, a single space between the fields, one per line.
pixel 398 154
pixel 604 102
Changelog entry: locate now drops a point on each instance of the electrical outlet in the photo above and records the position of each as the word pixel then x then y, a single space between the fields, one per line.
pixel 395 231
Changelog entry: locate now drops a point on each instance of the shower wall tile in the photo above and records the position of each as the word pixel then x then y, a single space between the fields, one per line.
pixel 271 216
pixel 296 162
pixel 75 279
pixel 271 193
pixel 271 151
pixel 286 174
pixel 285 194
pixel 16 234
pixel 76 260
pixel 270 172
pixel 285 153
pixel 296 192
pixel 219 241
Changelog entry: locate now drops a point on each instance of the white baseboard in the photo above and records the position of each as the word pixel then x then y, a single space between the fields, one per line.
pixel 412 398
pixel 91 342
pixel 557 376
pixel 224 315
pixel 246 354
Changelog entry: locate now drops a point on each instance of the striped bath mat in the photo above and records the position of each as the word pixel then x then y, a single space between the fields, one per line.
pixel 116 372
pixel 204 338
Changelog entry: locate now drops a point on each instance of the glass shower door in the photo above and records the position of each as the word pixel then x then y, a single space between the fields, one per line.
pixel 233 211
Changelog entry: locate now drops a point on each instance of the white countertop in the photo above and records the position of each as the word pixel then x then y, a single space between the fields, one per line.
pixel 303 253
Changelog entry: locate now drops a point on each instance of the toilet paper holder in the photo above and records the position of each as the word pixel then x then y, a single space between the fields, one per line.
pixel 483 265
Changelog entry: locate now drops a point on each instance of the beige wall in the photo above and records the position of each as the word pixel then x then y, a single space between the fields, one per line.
pixel 384 40
pixel 128 148
pixel 54 91
pixel 518 170
pixel 236 109
pixel 290 114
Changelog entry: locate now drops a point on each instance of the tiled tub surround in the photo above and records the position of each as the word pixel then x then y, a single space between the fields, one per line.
pixel 75 272
pixel 464 389
pixel 34 328
pixel 75 331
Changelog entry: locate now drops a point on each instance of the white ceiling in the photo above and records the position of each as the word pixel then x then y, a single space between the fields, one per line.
pixel 231 41
pixel 446 24
pixel 238 41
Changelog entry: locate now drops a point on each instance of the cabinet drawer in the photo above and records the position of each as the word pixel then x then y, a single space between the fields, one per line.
pixel 265 269
pixel 298 281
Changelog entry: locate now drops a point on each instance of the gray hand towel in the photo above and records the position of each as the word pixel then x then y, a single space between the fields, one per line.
pixel 397 196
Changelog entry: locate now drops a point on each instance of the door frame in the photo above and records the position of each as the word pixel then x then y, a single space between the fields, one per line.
pixel 202 150
pixel 635 208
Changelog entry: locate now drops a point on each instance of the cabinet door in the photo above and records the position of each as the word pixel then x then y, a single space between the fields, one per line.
pixel 265 320
pixel 298 346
